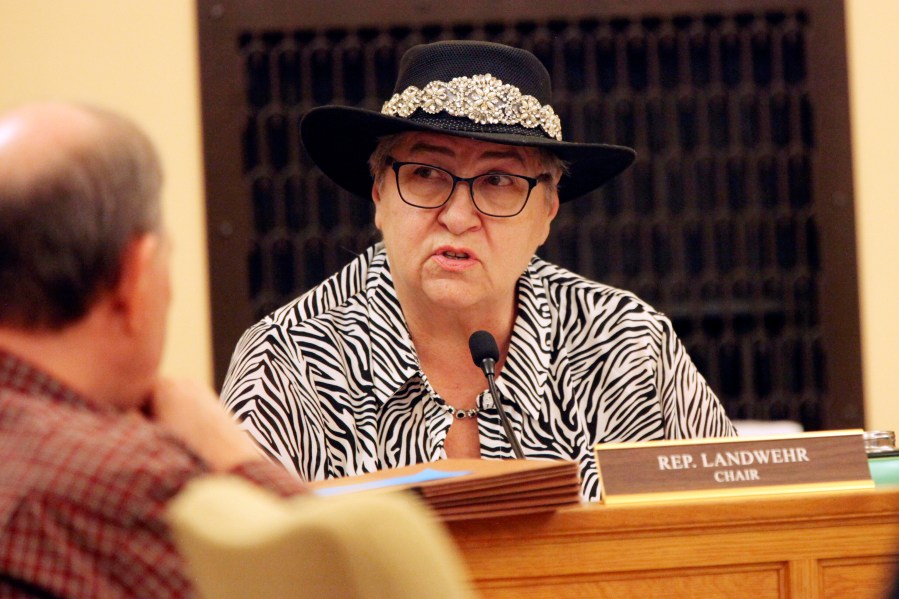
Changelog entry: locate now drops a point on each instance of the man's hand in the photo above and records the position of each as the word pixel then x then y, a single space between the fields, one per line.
pixel 191 412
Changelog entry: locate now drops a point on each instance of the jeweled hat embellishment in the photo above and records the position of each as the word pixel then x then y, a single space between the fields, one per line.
pixel 483 99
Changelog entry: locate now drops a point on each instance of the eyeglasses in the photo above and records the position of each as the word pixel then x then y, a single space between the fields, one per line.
pixel 495 194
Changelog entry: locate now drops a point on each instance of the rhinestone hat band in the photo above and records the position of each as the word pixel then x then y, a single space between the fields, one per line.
pixel 483 99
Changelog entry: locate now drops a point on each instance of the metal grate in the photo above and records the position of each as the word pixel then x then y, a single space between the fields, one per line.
pixel 717 224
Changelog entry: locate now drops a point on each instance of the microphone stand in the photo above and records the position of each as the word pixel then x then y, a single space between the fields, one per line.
pixel 489 366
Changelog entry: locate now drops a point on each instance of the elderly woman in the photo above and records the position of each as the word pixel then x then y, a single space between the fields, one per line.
pixel 372 368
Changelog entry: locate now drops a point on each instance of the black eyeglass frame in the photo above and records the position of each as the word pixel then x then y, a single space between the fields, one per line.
pixel 531 181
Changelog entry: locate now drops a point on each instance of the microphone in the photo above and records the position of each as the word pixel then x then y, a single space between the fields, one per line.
pixel 485 353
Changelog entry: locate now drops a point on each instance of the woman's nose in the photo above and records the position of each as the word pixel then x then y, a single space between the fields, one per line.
pixel 459 213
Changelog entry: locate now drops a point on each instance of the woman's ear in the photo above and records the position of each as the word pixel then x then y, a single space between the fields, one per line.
pixel 554 205
pixel 376 198
pixel 552 210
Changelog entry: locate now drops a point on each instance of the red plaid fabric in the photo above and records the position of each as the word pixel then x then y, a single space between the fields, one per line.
pixel 83 493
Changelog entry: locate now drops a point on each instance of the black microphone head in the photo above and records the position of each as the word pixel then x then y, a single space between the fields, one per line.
pixel 482 345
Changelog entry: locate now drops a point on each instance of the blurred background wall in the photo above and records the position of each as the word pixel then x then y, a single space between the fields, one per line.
pixel 141 59
pixel 873 90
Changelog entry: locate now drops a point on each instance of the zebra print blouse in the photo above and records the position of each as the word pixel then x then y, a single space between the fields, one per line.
pixel 329 385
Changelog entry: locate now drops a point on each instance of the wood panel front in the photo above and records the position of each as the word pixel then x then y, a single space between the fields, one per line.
pixel 792 546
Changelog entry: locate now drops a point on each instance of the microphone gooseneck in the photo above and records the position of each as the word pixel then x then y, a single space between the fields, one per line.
pixel 485 354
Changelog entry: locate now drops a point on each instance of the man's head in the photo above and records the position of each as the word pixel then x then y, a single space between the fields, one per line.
pixel 77 184
pixel 84 276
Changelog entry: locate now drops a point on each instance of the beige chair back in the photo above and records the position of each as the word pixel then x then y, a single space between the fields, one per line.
pixel 242 542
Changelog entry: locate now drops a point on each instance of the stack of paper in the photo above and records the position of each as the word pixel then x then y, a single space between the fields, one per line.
pixel 466 489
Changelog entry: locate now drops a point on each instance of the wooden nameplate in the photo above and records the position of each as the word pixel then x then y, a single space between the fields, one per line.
pixel 732 466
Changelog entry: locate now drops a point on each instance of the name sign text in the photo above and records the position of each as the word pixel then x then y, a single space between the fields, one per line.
pixel 695 468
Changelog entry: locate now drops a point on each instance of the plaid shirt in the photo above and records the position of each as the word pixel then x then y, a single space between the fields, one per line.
pixel 83 492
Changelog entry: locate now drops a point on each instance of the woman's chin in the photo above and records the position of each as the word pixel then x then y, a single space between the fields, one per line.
pixel 452 295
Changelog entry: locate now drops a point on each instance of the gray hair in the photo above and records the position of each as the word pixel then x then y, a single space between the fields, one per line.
pixel 64 227
pixel 378 161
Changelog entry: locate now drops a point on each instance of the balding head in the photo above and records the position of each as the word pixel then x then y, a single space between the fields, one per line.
pixel 31 134
pixel 76 185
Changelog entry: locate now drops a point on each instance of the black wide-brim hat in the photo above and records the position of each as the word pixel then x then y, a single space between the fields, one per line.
pixel 478 90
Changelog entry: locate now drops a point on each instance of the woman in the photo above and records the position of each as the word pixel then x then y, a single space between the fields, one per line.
pixel 371 369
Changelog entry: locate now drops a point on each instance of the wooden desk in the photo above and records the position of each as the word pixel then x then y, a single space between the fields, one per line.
pixel 800 546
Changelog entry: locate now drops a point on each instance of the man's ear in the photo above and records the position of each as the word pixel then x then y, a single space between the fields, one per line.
pixel 131 295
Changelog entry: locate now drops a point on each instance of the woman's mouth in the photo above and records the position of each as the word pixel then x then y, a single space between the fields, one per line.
pixel 456 255
pixel 454 259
